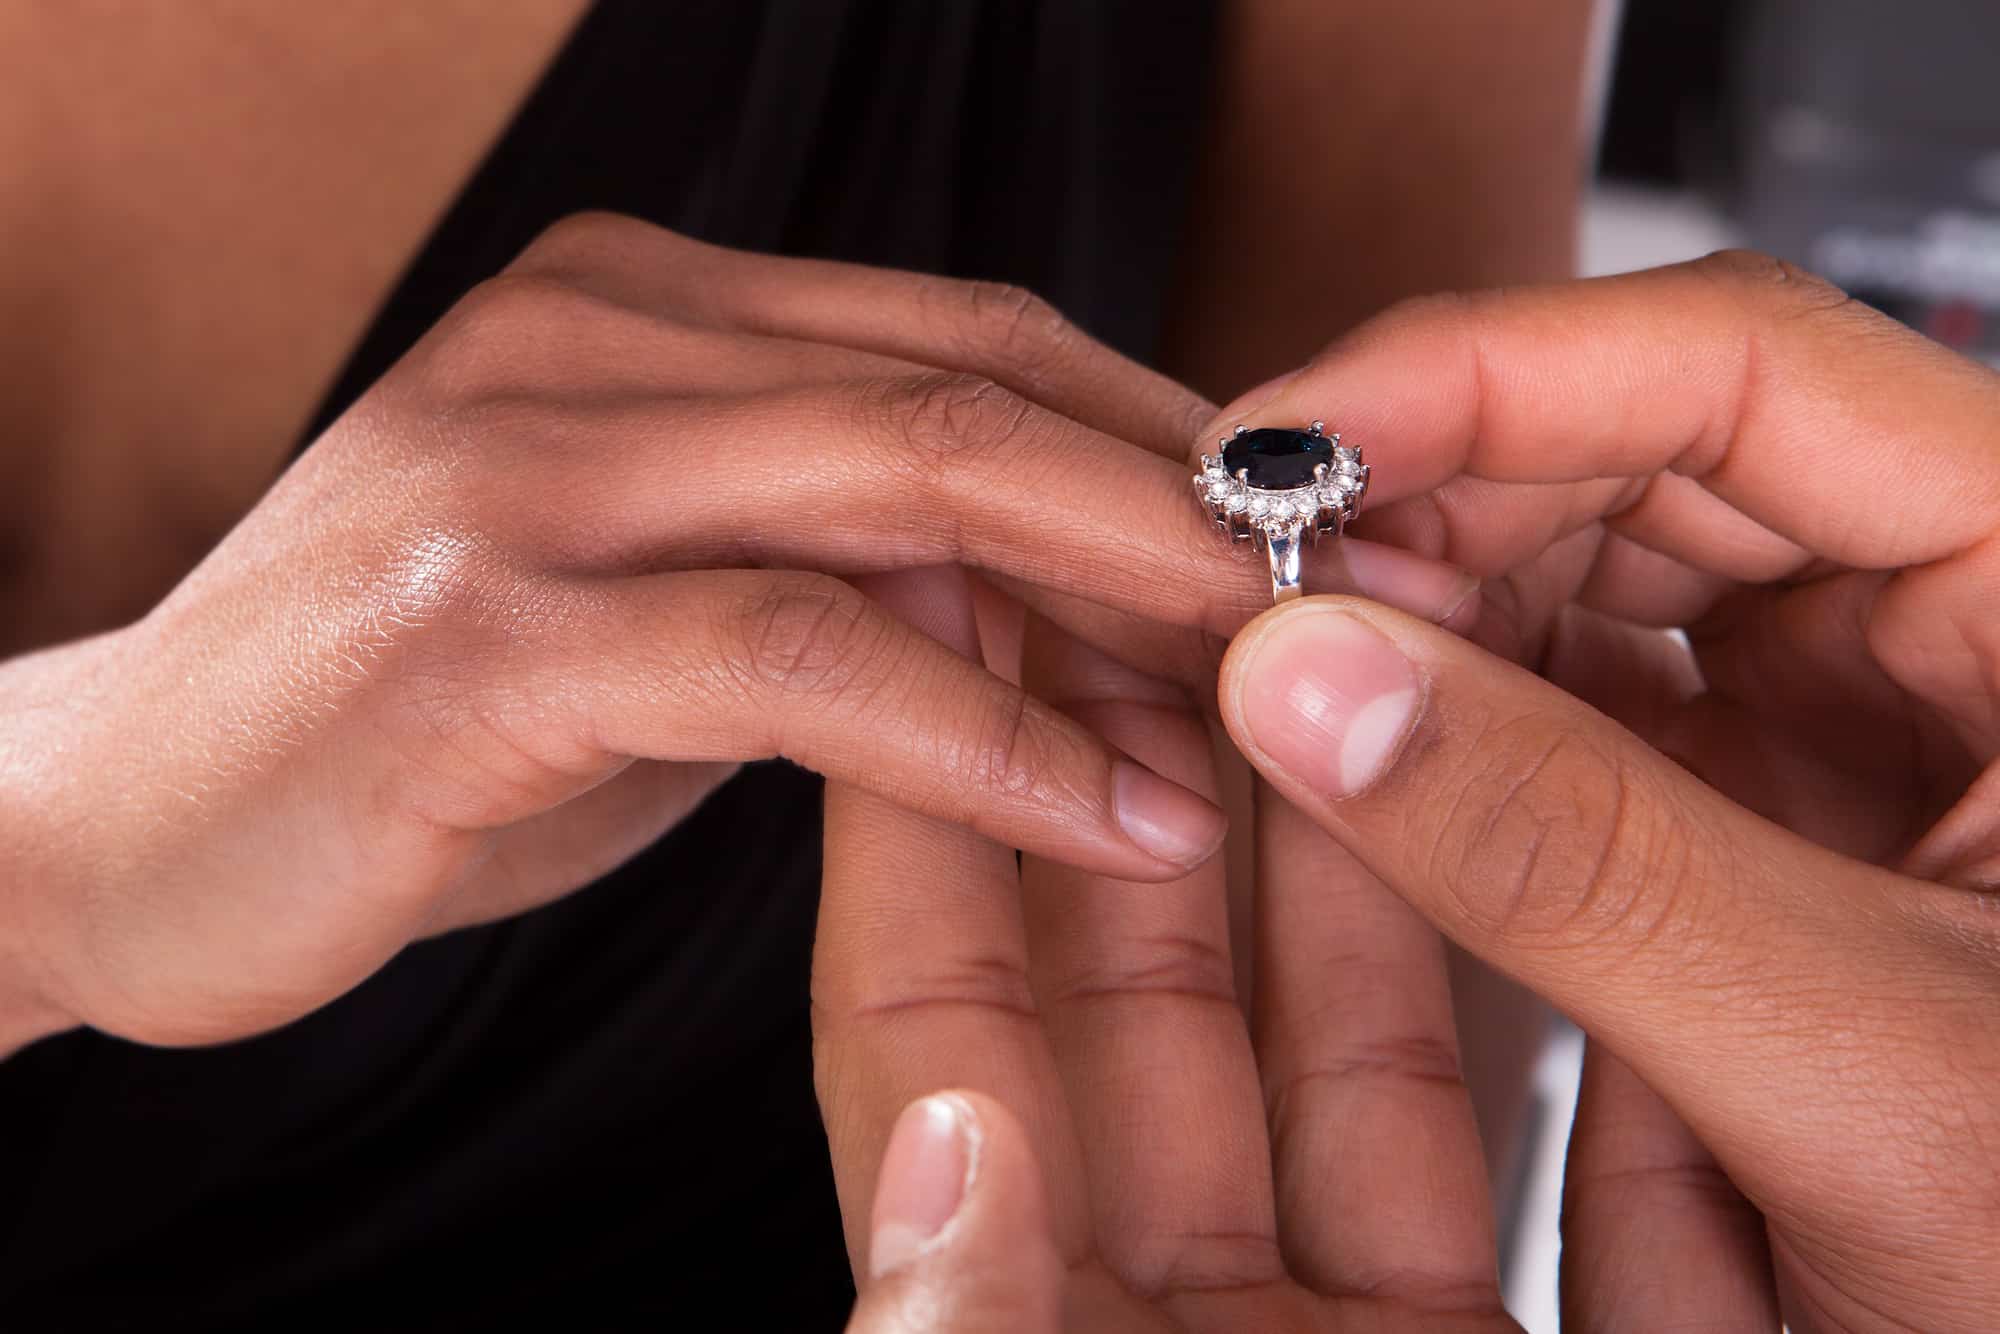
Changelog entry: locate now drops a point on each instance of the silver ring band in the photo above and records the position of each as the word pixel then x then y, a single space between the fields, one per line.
pixel 1283 549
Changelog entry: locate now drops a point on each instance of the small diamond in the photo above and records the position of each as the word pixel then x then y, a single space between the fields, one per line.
pixel 1236 502
pixel 1259 507
pixel 1281 510
pixel 1218 489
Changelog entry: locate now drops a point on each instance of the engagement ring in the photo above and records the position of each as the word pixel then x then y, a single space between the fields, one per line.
pixel 1272 486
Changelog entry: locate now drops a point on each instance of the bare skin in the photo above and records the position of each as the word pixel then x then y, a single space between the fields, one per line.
pixel 180 337
pixel 1359 155
pixel 1757 866
pixel 162 344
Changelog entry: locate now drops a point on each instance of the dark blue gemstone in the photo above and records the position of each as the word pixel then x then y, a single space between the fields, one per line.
pixel 1276 459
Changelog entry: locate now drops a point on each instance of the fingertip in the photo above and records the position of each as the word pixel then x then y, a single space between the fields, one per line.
pixel 1164 820
pixel 961 1241
pixel 928 1170
pixel 1322 697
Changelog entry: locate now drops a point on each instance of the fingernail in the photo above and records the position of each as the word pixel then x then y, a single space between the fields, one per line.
pixel 1408 582
pixel 1329 699
pixel 928 1168
pixel 1165 818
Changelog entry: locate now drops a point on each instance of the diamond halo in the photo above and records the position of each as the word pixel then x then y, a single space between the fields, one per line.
pixel 1257 514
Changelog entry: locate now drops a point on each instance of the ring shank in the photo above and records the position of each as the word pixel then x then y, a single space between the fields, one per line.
pixel 1283 548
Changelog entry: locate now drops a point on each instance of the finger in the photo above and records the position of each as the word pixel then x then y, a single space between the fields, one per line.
pixel 1638 584
pixel 1381 1184
pixel 1002 333
pixel 920 964
pixel 926 470
pixel 1563 850
pixel 1783 398
pixel 1189 655
pixel 1644 1208
pixel 960 1240
pixel 736 665
pixel 1136 989
pixel 1489 527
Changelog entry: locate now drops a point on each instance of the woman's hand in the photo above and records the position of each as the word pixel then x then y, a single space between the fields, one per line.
pixel 1790 972
pixel 1316 1167
pixel 526 603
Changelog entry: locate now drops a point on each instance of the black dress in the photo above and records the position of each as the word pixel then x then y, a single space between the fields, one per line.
pixel 601 1114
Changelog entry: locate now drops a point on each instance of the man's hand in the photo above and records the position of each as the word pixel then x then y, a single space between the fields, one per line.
pixel 1790 972
pixel 1316 1169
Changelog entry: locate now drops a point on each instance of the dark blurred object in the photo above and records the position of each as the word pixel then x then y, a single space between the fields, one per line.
pixel 1870 152
pixel 1662 122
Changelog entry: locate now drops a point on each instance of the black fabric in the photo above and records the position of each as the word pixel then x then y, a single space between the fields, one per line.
pixel 601 1114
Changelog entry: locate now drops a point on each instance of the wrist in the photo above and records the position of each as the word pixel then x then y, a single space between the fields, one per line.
pixel 43 841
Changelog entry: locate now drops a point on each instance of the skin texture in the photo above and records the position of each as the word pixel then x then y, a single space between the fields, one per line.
pixel 1767 896
pixel 1358 155
pixel 202 209
pixel 1759 872
pixel 327 141
pixel 1318 1168
pixel 417 671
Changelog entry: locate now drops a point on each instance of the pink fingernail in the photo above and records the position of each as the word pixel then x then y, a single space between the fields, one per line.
pixel 1165 818
pixel 1329 699
pixel 932 1157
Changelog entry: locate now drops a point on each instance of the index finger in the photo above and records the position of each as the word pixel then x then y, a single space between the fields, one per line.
pixel 1784 398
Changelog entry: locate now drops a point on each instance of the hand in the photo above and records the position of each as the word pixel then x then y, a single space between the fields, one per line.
pixel 1789 972
pixel 526 603
pixel 1103 1014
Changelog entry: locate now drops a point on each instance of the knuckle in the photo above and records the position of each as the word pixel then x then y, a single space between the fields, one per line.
pixel 583 239
pixel 1011 325
pixel 1451 311
pixel 1014 751
pixel 1179 965
pixel 1772 283
pixel 1553 839
pixel 936 425
pixel 805 635
pixel 494 343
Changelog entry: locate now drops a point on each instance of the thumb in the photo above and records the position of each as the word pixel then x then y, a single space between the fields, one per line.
pixel 1677 927
pixel 960 1240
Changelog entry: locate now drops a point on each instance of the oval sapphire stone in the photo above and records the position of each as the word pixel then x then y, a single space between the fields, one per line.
pixel 1276 459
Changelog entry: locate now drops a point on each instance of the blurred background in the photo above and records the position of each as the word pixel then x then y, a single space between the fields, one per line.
pixel 1858 138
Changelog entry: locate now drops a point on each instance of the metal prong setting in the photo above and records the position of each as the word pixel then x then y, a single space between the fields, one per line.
pixel 1323 507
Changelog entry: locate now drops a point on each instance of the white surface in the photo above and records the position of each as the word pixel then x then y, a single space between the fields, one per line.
pixel 1626 229
pixel 1531 1285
